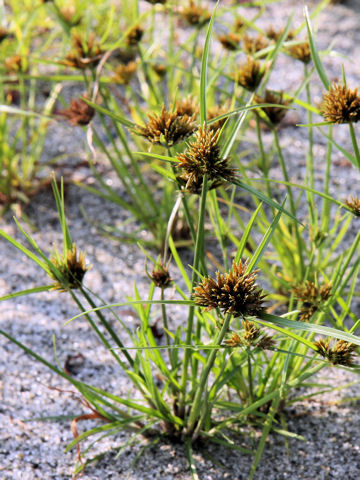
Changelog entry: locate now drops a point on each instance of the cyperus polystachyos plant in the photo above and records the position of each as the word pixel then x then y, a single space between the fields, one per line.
pixel 172 127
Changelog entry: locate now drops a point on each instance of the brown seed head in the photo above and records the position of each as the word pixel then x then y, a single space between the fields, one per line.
pixel 230 41
pixel 276 34
pixel 342 353
pixel 159 69
pixel 300 51
pixel 70 16
pixel 79 112
pixel 253 45
pixel 340 105
pixel 239 24
pixel 153 2
pixel 203 157
pixel 273 114
pixel 134 36
pixel 168 128
pixel 14 64
pixel 124 73
pixel 217 111
pixel 4 33
pixel 72 269
pixel 235 292
pixel 354 204
pixel 249 74
pixel 195 15
pixel 312 297
pixel 160 276
pixel 85 54
pixel 187 106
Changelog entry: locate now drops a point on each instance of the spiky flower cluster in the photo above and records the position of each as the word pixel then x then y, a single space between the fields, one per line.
pixel 312 297
pixel 300 51
pixel 86 53
pixel 235 292
pixel 254 44
pixel 354 204
pixel 251 336
pixel 72 270
pixel 124 73
pixel 276 34
pixel 134 36
pixel 274 114
pixel 342 353
pixel 195 15
pixel 203 158
pixel 79 112
pixel 230 41
pixel 217 111
pixel 249 74
pixel 161 276
pixel 168 128
pixel 340 105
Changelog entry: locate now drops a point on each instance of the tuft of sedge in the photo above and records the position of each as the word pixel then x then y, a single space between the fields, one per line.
pixel 161 276
pixel 300 51
pixel 274 114
pixel 312 297
pixel 86 53
pixel 195 15
pixel 249 74
pixel 123 73
pixel 160 69
pixel 187 106
pixel 354 205
pixel 273 34
pixel 70 16
pixel 134 36
pixel 79 112
pixel 340 105
pixel 254 44
pixel 14 64
pixel 167 128
pixel 235 292
pixel 203 158
pixel 250 336
pixel 230 41
pixel 72 269
pixel 217 111
pixel 342 353
pixel 4 33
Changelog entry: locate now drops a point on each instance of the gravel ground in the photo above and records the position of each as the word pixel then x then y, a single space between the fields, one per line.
pixel 30 449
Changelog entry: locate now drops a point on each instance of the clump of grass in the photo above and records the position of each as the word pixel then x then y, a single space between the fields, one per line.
pixel 212 373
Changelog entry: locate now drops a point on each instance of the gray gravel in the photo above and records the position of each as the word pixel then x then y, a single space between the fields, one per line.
pixel 30 449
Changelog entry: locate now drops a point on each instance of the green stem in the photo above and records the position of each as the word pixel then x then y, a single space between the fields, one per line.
pixel 251 389
pixel 201 388
pixel 292 203
pixel 190 320
pixel 355 144
pixel 166 327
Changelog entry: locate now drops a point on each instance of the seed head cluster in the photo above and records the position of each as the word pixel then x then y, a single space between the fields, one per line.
pixel 340 105
pixel 300 51
pixel 203 158
pixel 124 73
pixel 161 276
pixel 250 336
pixel 72 270
pixel 354 204
pixel 235 292
pixel 195 15
pixel 167 128
pixel 249 74
pixel 85 54
pixel 273 114
pixel 342 353
pixel 230 41
pixel 79 112
pixel 312 297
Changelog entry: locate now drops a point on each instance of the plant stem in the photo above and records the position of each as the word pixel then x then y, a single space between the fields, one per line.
pixel 190 320
pixel 251 390
pixel 292 203
pixel 355 144
pixel 198 400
